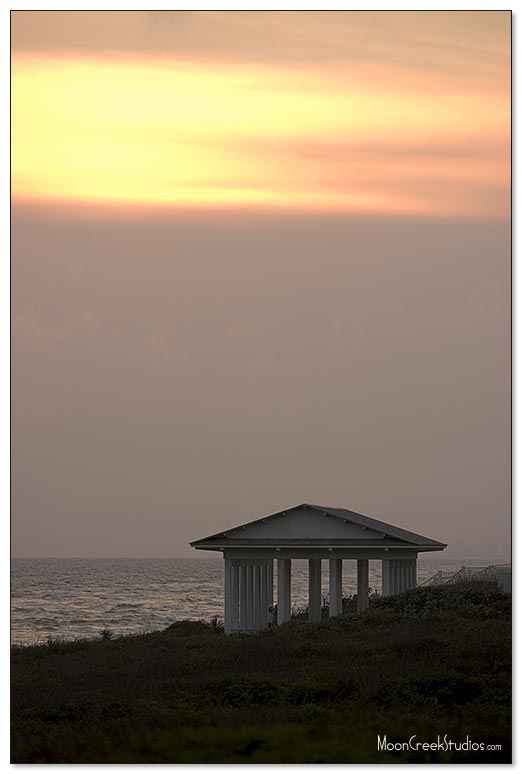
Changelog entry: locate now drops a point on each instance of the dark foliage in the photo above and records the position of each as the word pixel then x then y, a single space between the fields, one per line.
pixel 431 661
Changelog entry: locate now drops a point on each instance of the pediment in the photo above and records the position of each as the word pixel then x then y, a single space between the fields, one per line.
pixel 299 523
pixel 317 525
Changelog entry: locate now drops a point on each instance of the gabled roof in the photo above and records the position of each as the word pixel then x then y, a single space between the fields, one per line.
pixel 347 528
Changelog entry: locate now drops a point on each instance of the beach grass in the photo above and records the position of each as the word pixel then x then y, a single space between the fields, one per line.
pixel 431 663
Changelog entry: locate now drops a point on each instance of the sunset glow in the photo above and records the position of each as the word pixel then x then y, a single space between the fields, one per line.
pixel 169 132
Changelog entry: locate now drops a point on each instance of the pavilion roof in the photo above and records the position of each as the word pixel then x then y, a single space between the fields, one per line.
pixel 305 526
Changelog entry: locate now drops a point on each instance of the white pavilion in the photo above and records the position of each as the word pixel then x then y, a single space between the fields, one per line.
pixel 312 532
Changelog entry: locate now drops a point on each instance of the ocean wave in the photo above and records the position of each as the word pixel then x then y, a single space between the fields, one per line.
pixel 78 598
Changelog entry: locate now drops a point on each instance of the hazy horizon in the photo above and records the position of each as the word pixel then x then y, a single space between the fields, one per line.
pixel 173 381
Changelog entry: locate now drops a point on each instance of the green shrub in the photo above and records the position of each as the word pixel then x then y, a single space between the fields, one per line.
pixel 243 692
pixel 320 691
pixel 187 628
pixel 485 599
pixel 444 692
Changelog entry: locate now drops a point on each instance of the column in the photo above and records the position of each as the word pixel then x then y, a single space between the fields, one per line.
pixel 269 586
pixel 259 602
pixel 235 597
pixel 398 575
pixel 242 597
pixel 255 597
pixel 314 590
pixel 394 586
pixel 413 573
pixel 336 587
pixel 401 580
pixel 263 597
pixel 386 579
pixel 404 575
pixel 270 583
pixel 362 584
pixel 249 612
pixel 284 583
pixel 228 596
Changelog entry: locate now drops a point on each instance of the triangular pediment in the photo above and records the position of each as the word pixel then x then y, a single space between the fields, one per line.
pixel 303 523
pixel 315 523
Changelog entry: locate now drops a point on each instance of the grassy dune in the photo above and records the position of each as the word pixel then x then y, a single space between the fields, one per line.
pixel 434 661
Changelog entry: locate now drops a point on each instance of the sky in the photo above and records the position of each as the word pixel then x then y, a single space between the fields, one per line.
pixel 258 259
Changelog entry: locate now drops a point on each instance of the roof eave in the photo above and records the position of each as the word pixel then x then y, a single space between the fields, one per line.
pixel 221 545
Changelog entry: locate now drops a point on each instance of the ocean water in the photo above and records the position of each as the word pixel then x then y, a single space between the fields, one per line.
pixel 77 598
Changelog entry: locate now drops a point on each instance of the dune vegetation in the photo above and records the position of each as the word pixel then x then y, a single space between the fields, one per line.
pixel 433 664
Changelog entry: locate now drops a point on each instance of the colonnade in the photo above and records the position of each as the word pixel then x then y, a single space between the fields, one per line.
pixel 249 593
pixel 249 588
pixel 398 575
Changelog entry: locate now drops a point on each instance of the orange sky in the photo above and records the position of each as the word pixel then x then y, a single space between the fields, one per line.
pixel 402 113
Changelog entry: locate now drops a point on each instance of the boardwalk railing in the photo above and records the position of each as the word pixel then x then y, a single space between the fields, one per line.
pixel 493 572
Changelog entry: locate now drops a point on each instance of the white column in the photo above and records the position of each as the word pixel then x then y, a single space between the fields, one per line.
pixel 257 597
pixel 401 575
pixel 255 600
pixel 394 577
pixel 314 590
pixel 235 597
pixel 336 587
pixel 362 584
pixel 410 572
pixel 399 571
pixel 406 575
pixel 284 590
pixel 413 573
pixel 249 613
pixel 270 583
pixel 263 597
pixel 386 579
pixel 242 597
pixel 228 596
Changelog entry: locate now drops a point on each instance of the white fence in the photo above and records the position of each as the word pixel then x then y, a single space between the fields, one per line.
pixel 501 573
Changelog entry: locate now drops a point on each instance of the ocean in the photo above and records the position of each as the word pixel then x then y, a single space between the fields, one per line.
pixel 78 598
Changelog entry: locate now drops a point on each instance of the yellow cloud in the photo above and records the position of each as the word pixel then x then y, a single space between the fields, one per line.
pixel 163 133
